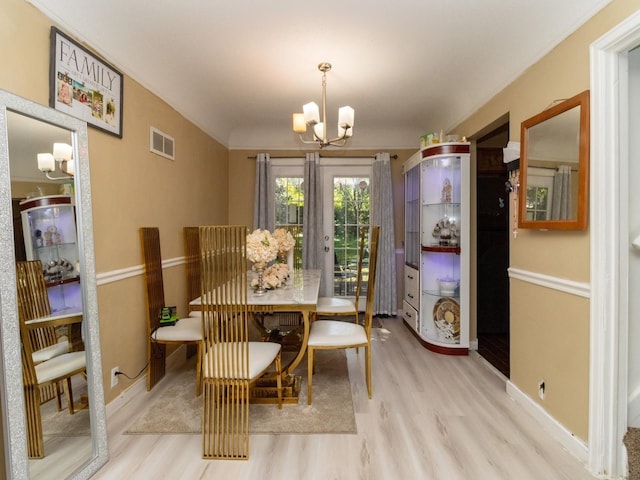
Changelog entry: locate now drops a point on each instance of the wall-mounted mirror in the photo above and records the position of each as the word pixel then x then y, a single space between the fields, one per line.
pixel 52 224
pixel 554 167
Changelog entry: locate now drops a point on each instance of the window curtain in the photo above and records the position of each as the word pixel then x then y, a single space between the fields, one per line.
pixel 561 201
pixel 382 214
pixel 312 228
pixel 264 215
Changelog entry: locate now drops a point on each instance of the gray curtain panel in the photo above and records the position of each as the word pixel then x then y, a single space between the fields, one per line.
pixel 561 203
pixel 382 214
pixel 264 215
pixel 312 228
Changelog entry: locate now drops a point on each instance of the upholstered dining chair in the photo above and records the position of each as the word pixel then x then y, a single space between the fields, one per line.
pixel 186 330
pixel 336 334
pixel 231 363
pixel 345 307
pixel 50 372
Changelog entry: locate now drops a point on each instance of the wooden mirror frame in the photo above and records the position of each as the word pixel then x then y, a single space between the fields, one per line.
pixel 580 221
pixel 11 386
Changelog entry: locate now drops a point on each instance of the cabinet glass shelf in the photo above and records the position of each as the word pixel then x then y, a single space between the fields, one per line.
pixel 440 249
pixel 437 293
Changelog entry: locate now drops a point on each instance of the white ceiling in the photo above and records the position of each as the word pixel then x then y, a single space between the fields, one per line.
pixel 239 69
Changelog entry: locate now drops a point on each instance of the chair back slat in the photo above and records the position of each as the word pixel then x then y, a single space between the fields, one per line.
pixel 192 261
pixel 225 367
pixel 361 250
pixel 224 295
pixel 296 233
pixel 154 290
pixel 371 281
pixel 33 302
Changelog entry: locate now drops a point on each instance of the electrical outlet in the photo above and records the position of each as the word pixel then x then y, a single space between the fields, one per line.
pixel 541 389
pixel 114 376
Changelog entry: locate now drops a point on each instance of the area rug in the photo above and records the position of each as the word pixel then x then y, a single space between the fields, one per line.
pixel 178 410
pixel 61 423
pixel 632 442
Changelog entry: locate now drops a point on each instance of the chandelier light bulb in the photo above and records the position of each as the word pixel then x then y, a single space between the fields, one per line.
pixel 46 162
pixel 311 113
pixel 318 130
pixel 345 117
pixel 62 151
pixel 299 125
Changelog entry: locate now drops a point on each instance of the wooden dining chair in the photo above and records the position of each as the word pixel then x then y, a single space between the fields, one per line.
pixel 186 330
pixel 336 334
pixel 49 373
pixel 231 363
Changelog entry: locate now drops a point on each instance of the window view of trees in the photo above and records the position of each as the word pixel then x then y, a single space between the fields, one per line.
pixel 289 201
pixel 351 205
pixel 537 203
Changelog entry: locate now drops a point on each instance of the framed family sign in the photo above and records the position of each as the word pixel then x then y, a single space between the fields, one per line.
pixel 83 85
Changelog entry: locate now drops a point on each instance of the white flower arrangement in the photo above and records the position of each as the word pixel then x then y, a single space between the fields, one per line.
pixel 262 247
pixel 285 240
pixel 273 276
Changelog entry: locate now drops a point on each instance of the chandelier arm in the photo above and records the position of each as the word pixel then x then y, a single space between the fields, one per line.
pixel 57 178
pixel 315 140
pixel 324 107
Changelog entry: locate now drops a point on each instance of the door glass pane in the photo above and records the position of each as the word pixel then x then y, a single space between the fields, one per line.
pixel 537 204
pixel 351 202
pixel 289 202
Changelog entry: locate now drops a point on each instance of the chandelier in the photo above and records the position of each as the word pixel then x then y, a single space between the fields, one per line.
pixel 62 155
pixel 311 118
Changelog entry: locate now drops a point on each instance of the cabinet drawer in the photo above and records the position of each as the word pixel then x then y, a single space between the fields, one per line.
pixel 411 286
pixel 411 316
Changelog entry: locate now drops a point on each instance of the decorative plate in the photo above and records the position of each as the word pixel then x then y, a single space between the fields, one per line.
pixel 446 317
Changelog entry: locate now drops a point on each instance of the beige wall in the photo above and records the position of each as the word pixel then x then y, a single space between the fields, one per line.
pixel 550 330
pixel 131 187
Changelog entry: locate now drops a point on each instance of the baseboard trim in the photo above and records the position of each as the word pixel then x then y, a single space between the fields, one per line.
pixel 570 442
pixel 126 396
pixel 177 358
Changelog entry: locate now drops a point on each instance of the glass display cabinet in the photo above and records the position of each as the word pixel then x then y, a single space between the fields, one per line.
pixel 411 300
pixel 440 316
pixel 49 229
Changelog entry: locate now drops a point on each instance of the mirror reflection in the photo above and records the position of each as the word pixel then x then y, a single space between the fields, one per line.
pixel 554 167
pixel 49 286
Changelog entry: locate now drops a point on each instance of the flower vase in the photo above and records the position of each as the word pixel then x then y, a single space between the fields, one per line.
pixel 260 289
pixel 286 258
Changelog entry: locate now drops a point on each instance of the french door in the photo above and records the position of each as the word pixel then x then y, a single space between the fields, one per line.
pixel 347 203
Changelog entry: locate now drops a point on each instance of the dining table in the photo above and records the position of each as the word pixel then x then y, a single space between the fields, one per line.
pixel 298 294
pixel 71 318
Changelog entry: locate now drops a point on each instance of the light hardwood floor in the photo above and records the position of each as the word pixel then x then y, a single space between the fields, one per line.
pixel 431 417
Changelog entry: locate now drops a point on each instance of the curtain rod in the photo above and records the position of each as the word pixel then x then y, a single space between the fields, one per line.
pixel 393 157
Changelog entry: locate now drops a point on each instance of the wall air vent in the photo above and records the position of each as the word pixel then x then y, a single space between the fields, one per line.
pixel 161 143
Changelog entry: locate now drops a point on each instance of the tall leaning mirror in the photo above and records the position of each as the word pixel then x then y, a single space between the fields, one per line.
pixel 554 167
pixel 53 414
